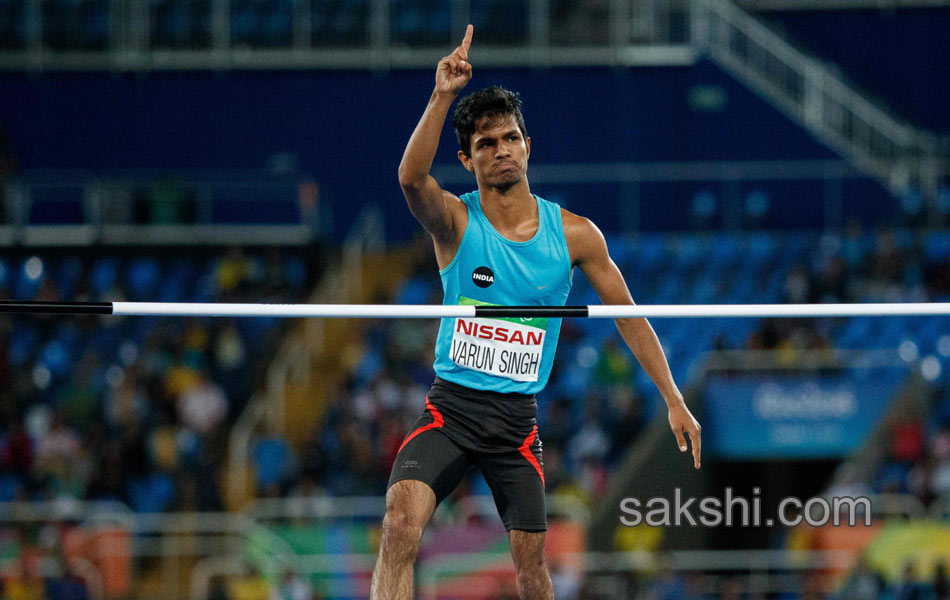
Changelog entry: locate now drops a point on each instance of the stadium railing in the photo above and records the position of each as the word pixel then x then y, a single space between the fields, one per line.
pixel 196 547
pixel 56 207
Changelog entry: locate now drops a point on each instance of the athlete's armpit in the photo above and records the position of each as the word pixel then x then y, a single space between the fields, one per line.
pixel 588 250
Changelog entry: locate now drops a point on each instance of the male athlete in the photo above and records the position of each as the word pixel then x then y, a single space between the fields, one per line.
pixel 497 245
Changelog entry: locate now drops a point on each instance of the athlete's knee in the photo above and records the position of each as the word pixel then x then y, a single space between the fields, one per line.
pixel 531 567
pixel 401 533
pixel 527 552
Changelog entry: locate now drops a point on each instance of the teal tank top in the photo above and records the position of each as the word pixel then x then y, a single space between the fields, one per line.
pixel 503 355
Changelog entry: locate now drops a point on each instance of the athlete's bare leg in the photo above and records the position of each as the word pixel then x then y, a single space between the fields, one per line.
pixel 409 505
pixel 527 550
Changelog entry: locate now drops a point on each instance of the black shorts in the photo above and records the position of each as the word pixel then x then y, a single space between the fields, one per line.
pixel 498 433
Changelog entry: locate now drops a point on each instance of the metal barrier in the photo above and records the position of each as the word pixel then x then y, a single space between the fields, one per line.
pixel 377 34
pixel 766 571
pixel 193 548
pixel 71 207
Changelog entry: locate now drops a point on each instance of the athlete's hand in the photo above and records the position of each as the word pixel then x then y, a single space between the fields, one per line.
pixel 454 70
pixel 682 421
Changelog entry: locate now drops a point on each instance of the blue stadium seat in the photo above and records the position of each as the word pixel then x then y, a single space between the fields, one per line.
pixel 691 251
pixel 23 340
pixel 29 278
pixel 761 248
pixel 56 357
pixel 204 288
pixel 295 270
pixel 142 278
pixel 103 276
pixel 726 250
pixel 67 274
pixel 10 487
pixel 273 461
pixel 650 251
pixel 937 248
pixel 152 493
pixel 703 291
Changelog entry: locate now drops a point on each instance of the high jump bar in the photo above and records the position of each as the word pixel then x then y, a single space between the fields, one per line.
pixel 427 311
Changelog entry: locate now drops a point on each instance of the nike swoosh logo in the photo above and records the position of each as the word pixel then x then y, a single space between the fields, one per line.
pixel 541 287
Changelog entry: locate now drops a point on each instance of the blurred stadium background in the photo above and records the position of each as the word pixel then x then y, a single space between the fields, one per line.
pixel 753 151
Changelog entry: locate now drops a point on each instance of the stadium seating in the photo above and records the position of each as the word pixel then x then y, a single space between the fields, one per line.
pixel 121 383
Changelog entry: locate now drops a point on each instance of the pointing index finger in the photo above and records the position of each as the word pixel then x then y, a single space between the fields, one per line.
pixel 467 40
pixel 696 440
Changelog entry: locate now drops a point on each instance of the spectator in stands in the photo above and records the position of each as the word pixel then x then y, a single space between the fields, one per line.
pixel 864 583
pixel 767 337
pixel 250 586
pixel 940 476
pixel 558 427
pixel 591 440
pixel 565 579
pixel 203 405
pixel 292 587
pixel 798 286
pixel 624 422
pixel 732 590
pixel 855 247
pixel 909 588
pixel 231 272
pixel 218 589
pixel 668 584
pixel 832 284
pixel 230 359
pixel 69 586
pixel 79 400
pixel 555 474
pixel 16 450
pixel 941 581
pixel 108 483
pixel 128 403
pixel 887 260
pixel 613 365
pixel 593 477
pixel 274 463
pixel 57 454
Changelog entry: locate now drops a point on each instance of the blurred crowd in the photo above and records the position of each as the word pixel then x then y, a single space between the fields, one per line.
pixel 857 266
pixel 129 409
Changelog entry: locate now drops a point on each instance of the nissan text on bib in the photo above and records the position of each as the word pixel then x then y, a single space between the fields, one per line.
pixel 506 347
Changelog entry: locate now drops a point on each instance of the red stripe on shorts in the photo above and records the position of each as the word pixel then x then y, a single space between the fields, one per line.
pixel 437 422
pixel 525 450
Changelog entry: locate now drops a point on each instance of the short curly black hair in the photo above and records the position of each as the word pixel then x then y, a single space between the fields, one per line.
pixel 494 101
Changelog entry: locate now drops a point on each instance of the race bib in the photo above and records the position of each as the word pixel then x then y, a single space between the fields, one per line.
pixel 506 347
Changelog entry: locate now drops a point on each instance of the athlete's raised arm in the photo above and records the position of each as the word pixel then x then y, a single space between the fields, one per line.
pixel 589 252
pixel 437 210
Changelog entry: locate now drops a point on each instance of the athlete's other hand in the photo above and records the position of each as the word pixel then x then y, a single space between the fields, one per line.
pixel 683 422
pixel 454 70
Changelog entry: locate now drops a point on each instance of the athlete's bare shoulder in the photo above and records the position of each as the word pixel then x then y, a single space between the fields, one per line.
pixel 583 237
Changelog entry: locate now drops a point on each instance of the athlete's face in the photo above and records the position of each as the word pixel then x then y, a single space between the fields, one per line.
pixel 499 153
